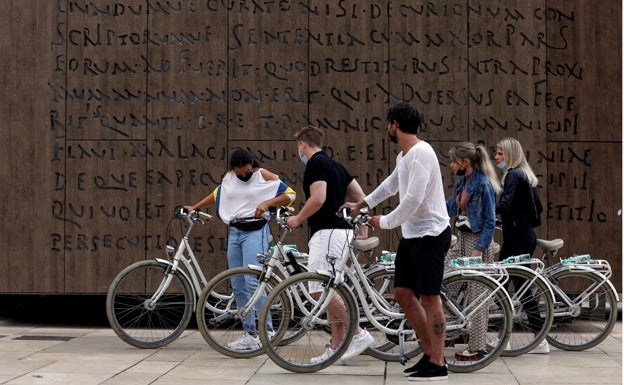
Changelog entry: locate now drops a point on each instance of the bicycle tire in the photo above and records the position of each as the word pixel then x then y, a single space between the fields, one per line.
pixel 498 317
pixel 386 346
pixel 593 320
pixel 527 302
pixel 312 334
pixel 145 325
pixel 218 318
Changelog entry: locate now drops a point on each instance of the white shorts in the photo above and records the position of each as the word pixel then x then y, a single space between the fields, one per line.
pixel 323 243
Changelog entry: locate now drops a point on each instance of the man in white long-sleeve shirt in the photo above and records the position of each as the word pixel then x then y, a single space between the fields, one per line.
pixel 426 237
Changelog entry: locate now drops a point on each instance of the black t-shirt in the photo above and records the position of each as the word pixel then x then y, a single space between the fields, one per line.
pixel 321 167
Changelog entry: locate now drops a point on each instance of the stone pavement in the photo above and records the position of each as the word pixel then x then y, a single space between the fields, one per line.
pixel 39 354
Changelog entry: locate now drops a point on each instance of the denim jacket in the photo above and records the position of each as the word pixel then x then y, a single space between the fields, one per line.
pixel 481 207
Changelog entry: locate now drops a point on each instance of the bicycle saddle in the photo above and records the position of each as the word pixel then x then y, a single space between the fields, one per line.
pixel 366 244
pixel 550 245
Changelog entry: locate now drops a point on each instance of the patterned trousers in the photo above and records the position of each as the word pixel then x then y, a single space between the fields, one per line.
pixel 466 242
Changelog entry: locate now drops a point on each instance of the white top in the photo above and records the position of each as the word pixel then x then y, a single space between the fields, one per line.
pixel 418 180
pixel 237 199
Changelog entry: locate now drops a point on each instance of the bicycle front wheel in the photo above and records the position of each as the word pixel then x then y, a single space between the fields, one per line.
pixel 478 321
pixel 532 301
pixel 585 310
pixel 219 317
pixel 141 320
pixel 312 319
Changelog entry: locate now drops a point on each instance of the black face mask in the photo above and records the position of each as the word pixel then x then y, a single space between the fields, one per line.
pixel 245 177
pixel 461 172
pixel 392 138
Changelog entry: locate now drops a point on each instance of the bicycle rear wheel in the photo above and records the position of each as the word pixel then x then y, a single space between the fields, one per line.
pixel 306 353
pixel 476 308
pixel 138 320
pixel 218 316
pixel 593 313
pixel 532 300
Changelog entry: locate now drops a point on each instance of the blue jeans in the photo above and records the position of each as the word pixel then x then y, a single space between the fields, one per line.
pixel 242 249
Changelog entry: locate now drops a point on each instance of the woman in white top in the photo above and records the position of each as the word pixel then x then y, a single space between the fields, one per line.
pixel 246 191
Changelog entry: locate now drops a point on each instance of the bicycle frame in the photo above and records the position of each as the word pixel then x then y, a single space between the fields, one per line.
pixel 491 272
pixel 340 274
pixel 193 273
pixel 268 266
pixel 272 266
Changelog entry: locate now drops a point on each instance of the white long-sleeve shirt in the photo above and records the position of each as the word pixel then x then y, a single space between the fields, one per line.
pixel 418 180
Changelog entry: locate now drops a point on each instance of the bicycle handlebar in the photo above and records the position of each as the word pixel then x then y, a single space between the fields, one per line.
pixel 360 219
pixel 193 215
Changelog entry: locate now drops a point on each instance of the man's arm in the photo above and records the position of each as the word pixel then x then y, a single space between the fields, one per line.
pixel 356 194
pixel 318 194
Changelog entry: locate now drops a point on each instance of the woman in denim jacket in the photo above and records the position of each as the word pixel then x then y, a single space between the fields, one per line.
pixel 474 203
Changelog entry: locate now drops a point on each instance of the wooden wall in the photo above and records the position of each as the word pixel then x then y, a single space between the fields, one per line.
pixel 115 112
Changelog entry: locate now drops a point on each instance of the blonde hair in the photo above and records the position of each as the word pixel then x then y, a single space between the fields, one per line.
pixel 479 158
pixel 514 157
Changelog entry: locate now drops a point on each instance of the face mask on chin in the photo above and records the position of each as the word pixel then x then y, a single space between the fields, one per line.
pixel 460 172
pixel 245 177
pixel 502 165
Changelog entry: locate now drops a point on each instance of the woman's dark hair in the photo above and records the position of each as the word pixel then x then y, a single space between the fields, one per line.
pixel 408 117
pixel 241 158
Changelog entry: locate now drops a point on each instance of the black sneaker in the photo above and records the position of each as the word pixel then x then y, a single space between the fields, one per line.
pixel 431 372
pixel 420 365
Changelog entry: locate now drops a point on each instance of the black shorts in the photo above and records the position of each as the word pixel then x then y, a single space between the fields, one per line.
pixel 419 263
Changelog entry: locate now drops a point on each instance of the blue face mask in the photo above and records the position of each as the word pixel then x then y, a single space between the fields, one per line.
pixel 502 165
pixel 304 159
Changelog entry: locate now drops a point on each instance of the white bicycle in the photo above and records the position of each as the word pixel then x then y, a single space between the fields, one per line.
pixel 150 303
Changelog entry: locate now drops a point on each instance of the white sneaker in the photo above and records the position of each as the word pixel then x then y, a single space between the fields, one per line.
pixel 542 348
pixel 494 343
pixel 270 334
pixel 246 342
pixel 323 357
pixel 359 343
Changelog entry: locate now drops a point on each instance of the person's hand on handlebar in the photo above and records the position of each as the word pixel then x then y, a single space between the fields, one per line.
pixel 374 221
pixel 261 209
pixel 293 222
pixel 354 206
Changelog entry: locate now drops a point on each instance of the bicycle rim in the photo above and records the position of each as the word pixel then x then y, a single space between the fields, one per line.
pixel 533 311
pixel 386 346
pixel 313 333
pixel 218 317
pixel 135 319
pixel 488 321
pixel 591 321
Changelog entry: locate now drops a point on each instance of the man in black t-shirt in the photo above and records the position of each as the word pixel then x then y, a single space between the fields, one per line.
pixel 327 185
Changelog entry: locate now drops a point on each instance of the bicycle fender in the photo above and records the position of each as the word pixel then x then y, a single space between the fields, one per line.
pixel 181 271
pixel 539 277
pixel 328 274
pixel 255 267
pixel 588 270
